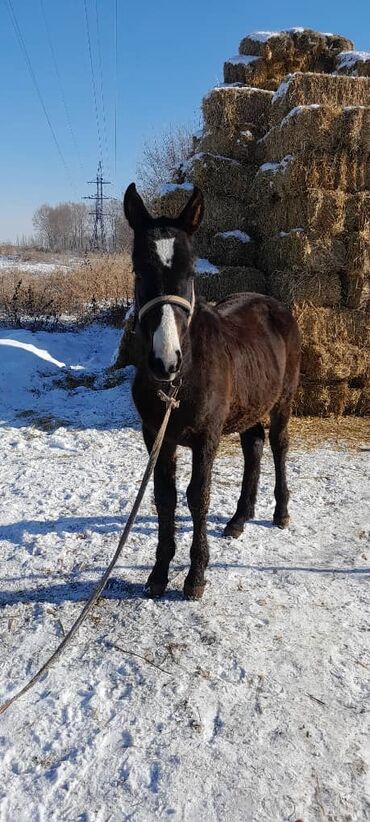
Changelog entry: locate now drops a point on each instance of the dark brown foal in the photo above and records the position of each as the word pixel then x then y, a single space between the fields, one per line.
pixel 234 363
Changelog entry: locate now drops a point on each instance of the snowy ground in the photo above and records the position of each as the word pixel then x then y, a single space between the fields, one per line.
pixel 250 705
pixel 13 262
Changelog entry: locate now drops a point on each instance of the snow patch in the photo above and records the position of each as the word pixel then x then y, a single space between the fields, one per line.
pixel 346 59
pixel 245 59
pixel 203 266
pixel 275 167
pixel 236 234
pixel 262 36
pixel 282 89
pixel 170 188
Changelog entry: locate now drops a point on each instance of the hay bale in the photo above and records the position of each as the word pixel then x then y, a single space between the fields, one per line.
pixel 299 48
pixel 319 213
pixel 319 399
pixel 233 107
pixel 335 343
pixel 356 271
pixel 253 71
pixel 298 286
pixel 220 213
pixel 219 175
pixel 239 145
pixel 293 174
pixel 229 280
pixel 305 89
pixel 353 63
pixel 318 128
pixel 171 199
pixel 297 253
pixel 232 248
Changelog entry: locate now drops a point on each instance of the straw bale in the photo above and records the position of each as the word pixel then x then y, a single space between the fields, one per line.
pixel 322 399
pixel 302 89
pixel 296 252
pixel 217 174
pixel 254 71
pixel 171 199
pixel 335 343
pixel 320 129
pixel 239 145
pixel 291 45
pixel 224 214
pixel 356 271
pixel 316 211
pixel 293 286
pixel 230 280
pixel 232 248
pixel 354 63
pixel 358 212
pixel 233 107
pixel 293 174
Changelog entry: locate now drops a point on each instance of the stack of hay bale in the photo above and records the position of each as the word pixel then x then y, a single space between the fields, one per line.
pixel 310 206
pixel 284 163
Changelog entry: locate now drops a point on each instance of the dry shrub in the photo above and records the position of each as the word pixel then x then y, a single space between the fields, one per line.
pixel 328 90
pixel 239 145
pixel 290 45
pixel 230 280
pixel 233 108
pixel 293 174
pixel 318 128
pixel 297 253
pixel 100 282
pixel 219 175
pixel 335 344
pixel 229 249
pixel 322 213
pixel 298 286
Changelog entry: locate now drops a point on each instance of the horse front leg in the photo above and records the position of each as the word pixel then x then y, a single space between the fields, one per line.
pixel 198 494
pixel 165 499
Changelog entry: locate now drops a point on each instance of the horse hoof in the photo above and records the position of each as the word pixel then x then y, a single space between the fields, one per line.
pixel 281 522
pixel 232 530
pixel 153 590
pixel 194 592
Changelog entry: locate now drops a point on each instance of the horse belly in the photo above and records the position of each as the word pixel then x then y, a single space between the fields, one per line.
pixel 252 400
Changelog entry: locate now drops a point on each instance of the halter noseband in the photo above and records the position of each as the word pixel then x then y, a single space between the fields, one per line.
pixel 169 299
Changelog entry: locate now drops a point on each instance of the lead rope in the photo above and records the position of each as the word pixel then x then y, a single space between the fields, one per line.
pixel 171 403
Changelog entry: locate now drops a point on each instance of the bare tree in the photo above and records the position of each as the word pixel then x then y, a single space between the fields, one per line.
pixel 65 226
pixel 161 158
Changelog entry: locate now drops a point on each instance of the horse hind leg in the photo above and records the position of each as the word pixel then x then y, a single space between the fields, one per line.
pixel 252 441
pixel 279 441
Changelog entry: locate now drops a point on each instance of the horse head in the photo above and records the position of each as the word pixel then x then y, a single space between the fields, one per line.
pixel 163 263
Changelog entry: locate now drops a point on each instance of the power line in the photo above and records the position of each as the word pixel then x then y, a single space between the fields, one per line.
pixel 101 81
pixel 57 72
pixel 116 89
pixel 93 82
pixel 27 58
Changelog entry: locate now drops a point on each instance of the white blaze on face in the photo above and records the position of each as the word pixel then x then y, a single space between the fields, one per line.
pixel 165 250
pixel 166 343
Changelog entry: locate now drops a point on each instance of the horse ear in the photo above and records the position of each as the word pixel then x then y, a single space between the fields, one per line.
pixel 134 208
pixel 192 215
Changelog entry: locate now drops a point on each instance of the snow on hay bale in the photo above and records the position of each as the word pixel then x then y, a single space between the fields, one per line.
pixel 318 128
pixel 229 280
pixel 293 44
pixel 266 57
pixel 292 174
pixel 317 211
pixel 219 175
pixel 230 107
pixel 305 89
pixel 232 248
pixel 355 63
pixel 298 253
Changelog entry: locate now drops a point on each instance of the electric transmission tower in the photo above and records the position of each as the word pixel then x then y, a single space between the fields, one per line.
pixel 98 237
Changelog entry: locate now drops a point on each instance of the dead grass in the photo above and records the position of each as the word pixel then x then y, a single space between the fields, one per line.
pixel 304 89
pixel 101 283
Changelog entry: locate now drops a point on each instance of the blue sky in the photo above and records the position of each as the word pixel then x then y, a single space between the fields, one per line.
pixel 169 55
